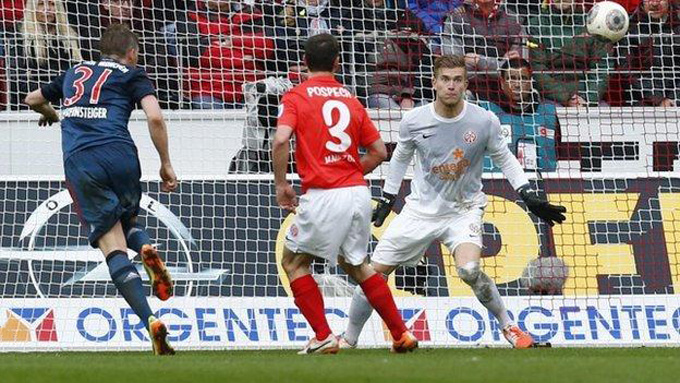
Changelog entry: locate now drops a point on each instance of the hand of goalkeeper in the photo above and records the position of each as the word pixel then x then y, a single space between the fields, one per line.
pixel 383 209
pixel 540 207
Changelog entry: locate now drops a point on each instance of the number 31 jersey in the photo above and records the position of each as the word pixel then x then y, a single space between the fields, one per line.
pixel 329 125
pixel 97 99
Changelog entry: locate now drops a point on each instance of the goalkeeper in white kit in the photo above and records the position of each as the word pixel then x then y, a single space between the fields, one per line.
pixel 450 138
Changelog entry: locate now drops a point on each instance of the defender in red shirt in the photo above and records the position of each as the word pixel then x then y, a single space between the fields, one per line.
pixel 333 215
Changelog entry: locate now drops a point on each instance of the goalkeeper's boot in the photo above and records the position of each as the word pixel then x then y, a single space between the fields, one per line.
pixel 159 337
pixel 158 273
pixel 326 346
pixel 517 337
pixel 343 343
pixel 406 343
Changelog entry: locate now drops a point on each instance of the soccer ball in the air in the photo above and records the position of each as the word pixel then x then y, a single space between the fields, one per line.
pixel 609 20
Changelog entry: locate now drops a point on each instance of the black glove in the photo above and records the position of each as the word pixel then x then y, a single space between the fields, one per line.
pixel 542 208
pixel 383 209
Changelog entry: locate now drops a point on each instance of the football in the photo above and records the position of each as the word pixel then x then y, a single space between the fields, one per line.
pixel 609 20
pixel 545 276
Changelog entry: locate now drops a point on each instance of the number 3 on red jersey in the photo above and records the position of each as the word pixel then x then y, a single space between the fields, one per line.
pixel 337 128
pixel 85 74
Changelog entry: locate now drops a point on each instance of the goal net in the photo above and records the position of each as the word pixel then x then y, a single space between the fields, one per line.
pixel 593 123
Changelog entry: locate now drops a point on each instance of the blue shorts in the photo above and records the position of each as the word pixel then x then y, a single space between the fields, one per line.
pixel 104 184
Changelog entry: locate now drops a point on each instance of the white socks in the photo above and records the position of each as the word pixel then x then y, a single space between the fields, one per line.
pixel 359 313
pixel 484 288
pixel 486 291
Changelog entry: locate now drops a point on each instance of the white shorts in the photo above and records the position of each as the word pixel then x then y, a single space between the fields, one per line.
pixel 408 236
pixel 332 222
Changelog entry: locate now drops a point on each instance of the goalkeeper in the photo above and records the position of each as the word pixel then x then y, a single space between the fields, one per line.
pixel 450 138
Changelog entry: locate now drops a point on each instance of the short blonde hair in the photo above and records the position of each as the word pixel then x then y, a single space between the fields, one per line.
pixel 449 62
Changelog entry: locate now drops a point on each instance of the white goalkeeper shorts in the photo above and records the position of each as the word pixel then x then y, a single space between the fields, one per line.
pixel 408 236
pixel 332 222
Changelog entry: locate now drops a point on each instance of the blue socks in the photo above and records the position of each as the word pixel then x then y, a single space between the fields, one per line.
pixel 128 282
pixel 137 237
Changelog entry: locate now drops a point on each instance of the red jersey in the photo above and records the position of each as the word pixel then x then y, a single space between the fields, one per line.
pixel 329 125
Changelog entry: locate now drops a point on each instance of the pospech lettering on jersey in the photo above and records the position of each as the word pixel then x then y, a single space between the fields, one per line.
pixel 328 91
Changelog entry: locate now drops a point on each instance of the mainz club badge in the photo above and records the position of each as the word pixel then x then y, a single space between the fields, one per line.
pixel 470 137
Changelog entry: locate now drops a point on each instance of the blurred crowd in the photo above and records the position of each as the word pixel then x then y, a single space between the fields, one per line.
pixel 201 52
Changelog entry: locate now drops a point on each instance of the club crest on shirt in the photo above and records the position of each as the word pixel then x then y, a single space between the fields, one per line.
pixel 470 137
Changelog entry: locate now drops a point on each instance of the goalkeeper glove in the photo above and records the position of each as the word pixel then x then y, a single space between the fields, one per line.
pixel 383 209
pixel 540 207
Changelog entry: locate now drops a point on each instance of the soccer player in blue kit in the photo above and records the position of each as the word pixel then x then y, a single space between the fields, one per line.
pixel 102 167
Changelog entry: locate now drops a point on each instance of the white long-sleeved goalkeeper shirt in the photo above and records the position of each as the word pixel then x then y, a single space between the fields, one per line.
pixel 449 159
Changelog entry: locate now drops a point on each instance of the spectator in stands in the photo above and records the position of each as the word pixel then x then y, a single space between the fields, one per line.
pixel 163 14
pixel 532 121
pixel 484 33
pixel 11 12
pixel 630 5
pixel 43 46
pixel 525 8
pixel 433 12
pixel 293 21
pixel 652 52
pixel 92 20
pixel 225 46
pixel 528 8
pixel 384 55
pixel 570 66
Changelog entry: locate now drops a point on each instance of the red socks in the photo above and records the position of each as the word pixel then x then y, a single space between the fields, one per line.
pixel 380 297
pixel 309 300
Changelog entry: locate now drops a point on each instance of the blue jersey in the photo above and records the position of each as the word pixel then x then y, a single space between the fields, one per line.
pixel 97 99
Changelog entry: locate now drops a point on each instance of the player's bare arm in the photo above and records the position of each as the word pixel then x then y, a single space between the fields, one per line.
pixel 159 135
pixel 36 101
pixel 376 153
pixel 285 194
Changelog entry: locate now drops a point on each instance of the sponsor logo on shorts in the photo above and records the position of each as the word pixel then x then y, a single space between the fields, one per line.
pixel 294 230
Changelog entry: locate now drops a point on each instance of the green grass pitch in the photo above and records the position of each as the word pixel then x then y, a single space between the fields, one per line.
pixel 597 365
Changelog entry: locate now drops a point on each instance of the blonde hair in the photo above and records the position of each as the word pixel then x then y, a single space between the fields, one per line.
pixel 449 62
pixel 36 38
